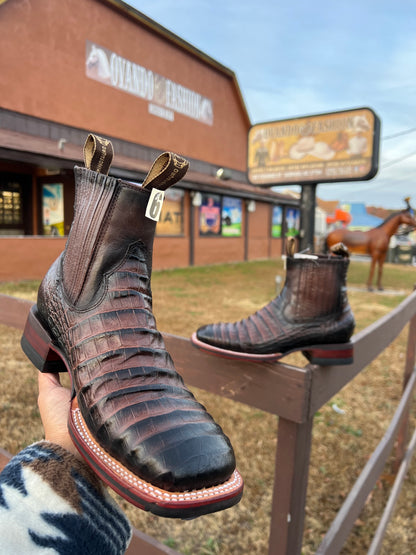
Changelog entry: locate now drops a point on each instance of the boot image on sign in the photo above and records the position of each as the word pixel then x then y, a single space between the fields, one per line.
pixel 311 314
pixel 131 416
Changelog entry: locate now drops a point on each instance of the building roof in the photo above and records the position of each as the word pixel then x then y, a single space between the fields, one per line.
pixel 361 219
pixel 287 192
pixel 379 212
pixel 39 142
pixel 155 27
pixel 329 206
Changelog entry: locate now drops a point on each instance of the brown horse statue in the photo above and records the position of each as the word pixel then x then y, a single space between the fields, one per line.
pixel 374 242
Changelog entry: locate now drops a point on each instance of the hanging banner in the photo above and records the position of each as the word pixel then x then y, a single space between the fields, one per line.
pixel 340 146
pixel 231 216
pixel 210 215
pixel 277 217
pixel 53 209
pixel 292 222
pixel 171 216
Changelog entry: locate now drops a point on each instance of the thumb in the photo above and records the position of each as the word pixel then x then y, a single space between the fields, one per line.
pixel 48 382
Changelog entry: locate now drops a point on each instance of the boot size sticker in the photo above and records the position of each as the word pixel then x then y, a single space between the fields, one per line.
pixel 154 205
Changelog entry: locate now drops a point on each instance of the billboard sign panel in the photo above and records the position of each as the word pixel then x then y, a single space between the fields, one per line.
pixel 339 146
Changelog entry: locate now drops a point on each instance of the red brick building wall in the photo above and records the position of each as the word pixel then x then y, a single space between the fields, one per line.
pixel 52 96
pixel 44 75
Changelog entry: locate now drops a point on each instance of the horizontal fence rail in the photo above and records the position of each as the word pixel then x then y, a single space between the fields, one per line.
pixel 295 395
pixel 368 344
pixel 344 521
pixel 397 486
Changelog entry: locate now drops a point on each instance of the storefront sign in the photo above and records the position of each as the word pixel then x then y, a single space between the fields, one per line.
pixel 340 146
pixel 231 215
pixel 165 97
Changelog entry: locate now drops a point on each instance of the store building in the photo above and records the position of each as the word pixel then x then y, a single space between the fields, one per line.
pixel 78 66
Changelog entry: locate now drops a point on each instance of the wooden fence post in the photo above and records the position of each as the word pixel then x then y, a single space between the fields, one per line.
pixel 408 370
pixel 290 485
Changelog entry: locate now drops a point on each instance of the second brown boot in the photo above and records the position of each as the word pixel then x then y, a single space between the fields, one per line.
pixel 311 314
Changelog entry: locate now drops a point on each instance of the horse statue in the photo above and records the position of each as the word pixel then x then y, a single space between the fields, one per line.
pixel 374 242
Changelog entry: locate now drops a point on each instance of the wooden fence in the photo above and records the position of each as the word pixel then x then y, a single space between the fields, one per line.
pixel 295 395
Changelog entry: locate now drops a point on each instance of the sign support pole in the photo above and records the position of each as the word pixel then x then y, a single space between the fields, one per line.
pixel 307 216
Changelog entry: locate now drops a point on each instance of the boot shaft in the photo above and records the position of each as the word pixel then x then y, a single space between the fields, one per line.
pixel 112 218
pixel 315 287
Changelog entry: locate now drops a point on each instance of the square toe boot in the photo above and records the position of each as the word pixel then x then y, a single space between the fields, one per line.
pixel 311 314
pixel 131 416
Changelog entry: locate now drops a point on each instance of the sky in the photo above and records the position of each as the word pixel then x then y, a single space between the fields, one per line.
pixel 298 58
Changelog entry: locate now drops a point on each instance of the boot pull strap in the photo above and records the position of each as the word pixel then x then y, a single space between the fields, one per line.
pixel 340 249
pixel 290 246
pixel 98 154
pixel 167 169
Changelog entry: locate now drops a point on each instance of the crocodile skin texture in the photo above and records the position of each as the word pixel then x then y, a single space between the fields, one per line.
pixel 96 302
pixel 312 308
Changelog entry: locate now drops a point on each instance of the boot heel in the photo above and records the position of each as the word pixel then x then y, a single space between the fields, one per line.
pixel 38 346
pixel 330 355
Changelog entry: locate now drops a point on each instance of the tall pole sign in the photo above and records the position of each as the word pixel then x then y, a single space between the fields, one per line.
pixel 325 148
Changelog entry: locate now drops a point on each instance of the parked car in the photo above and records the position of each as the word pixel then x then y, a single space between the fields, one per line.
pixel 403 241
pixel 402 250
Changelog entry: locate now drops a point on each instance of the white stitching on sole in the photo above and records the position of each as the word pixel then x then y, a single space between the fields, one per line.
pixel 233 483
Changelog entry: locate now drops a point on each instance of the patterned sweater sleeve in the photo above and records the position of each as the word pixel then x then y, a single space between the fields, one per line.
pixel 52 502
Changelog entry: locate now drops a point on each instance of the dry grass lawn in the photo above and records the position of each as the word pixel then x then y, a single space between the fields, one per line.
pixel 343 439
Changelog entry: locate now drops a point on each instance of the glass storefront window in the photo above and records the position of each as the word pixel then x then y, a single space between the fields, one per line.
pixel 11 213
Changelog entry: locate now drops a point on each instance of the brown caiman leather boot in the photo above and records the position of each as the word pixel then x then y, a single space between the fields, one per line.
pixel 131 416
pixel 311 314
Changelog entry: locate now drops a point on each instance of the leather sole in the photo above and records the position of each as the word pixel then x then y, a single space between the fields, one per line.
pixel 324 355
pixel 39 347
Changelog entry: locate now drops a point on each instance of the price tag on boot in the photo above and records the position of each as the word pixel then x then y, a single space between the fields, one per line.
pixel 154 205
